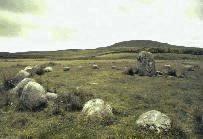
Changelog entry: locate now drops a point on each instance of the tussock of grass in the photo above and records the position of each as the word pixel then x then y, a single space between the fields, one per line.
pixel 72 101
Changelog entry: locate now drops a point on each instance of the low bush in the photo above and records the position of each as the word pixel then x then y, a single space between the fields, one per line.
pixel 38 70
pixel 52 64
pixel 4 99
pixel 73 101
pixel 9 80
pixel 198 120
pixel 169 71
pixel 176 130
pixel 20 122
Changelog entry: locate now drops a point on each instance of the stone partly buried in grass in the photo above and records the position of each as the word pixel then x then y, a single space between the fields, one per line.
pixel 95 66
pixel 66 68
pixel 28 68
pixel 23 74
pixel 169 71
pixel 191 67
pixel 154 121
pixel 19 87
pixel 12 82
pixel 38 69
pixel 146 64
pixel 48 69
pixel 130 70
pixel 33 96
pixel 97 108
pixel 51 96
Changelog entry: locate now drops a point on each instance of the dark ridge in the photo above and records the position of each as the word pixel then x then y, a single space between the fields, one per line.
pixel 142 43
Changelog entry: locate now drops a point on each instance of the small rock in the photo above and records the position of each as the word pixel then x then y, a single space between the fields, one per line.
pixel 37 69
pixel 48 69
pixel 167 65
pixel 130 70
pixel 191 67
pixel 28 68
pixel 66 68
pixel 168 70
pixel 113 67
pixel 94 83
pixel 159 73
pixel 94 66
pixel 51 96
pixel 23 74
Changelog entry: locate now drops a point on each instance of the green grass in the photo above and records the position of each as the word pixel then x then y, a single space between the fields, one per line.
pixel 130 96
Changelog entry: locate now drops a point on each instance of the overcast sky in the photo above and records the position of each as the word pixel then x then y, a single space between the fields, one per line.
pixel 30 25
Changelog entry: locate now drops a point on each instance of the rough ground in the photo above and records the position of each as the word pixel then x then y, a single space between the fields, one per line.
pixel 130 96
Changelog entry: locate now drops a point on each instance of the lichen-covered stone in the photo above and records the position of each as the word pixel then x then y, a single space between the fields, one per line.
pixel 33 96
pixel 19 87
pixel 97 108
pixel 154 120
pixel 23 74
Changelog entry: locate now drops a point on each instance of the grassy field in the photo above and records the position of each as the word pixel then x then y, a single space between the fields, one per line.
pixel 130 96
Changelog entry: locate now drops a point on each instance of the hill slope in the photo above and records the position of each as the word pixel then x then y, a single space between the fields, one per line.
pixel 142 43
pixel 133 46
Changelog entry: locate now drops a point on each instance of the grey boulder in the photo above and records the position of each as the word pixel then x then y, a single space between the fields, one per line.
pixel 33 96
pixel 155 121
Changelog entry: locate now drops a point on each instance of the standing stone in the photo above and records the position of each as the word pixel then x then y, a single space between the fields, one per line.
pixel 146 64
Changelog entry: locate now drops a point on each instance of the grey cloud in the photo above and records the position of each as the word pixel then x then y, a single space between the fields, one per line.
pixel 11 10
pixel 200 8
pixel 21 5
pixel 8 27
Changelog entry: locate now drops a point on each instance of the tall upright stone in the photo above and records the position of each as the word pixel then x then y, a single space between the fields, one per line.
pixel 146 64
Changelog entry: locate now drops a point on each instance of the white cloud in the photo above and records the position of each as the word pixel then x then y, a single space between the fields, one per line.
pixel 71 24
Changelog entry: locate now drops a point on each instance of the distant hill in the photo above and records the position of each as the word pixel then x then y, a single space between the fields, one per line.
pixel 142 43
pixel 132 46
pixel 154 47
